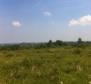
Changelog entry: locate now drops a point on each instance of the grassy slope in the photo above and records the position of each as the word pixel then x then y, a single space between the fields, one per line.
pixel 65 65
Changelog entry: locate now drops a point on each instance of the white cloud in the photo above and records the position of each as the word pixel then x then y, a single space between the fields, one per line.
pixel 16 24
pixel 85 20
pixel 47 13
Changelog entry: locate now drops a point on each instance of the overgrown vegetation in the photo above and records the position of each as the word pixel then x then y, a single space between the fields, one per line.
pixel 48 63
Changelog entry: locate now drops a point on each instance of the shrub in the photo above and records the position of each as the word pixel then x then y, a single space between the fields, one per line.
pixel 77 51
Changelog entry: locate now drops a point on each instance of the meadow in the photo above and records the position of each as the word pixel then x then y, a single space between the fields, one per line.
pixel 63 65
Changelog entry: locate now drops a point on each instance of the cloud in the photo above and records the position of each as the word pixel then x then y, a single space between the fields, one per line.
pixel 47 13
pixel 83 21
pixel 16 24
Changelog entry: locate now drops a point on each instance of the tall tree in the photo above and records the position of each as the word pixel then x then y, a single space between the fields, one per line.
pixel 79 40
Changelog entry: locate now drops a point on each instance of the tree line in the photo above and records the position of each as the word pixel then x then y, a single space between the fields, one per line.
pixel 49 44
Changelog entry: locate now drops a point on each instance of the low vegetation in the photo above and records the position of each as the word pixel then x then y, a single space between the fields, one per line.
pixel 64 64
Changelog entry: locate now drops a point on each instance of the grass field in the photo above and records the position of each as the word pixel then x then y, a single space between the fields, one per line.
pixel 66 65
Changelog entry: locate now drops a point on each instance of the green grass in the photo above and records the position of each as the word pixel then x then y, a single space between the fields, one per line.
pixel 66 65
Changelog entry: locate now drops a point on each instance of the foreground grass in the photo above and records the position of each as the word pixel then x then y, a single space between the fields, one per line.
pixel 66 65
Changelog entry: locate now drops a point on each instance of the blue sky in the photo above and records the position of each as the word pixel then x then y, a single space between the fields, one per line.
pixel 42 20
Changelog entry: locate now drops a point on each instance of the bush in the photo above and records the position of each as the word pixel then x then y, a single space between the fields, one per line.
pixel 77 51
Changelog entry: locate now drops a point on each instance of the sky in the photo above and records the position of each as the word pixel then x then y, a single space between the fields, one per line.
pixel 44 20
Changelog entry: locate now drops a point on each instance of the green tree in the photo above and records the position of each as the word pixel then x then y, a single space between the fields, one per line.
pixel 80 43
pixel 59 43
pixel 50 43
pixel 79 40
